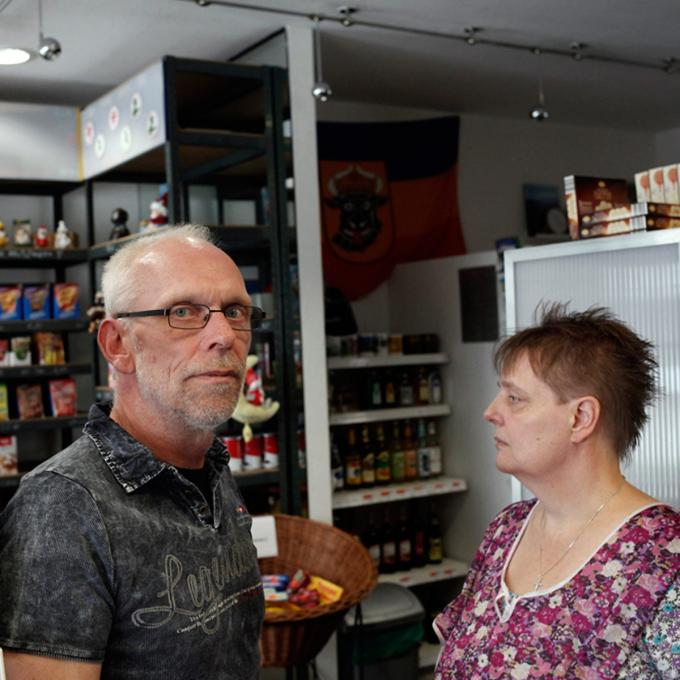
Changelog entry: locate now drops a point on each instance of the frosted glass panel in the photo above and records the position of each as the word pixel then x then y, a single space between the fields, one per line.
pixel 641 285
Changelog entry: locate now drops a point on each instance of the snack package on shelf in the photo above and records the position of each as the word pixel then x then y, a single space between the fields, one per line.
pixel 655 222
pixel 20 351
pixel 63 397
pixel 615 227
pixel 50 348
pixel 65 301
pixel 642 189
pixel 5 354
pixel 656 185
pixel 301 591
pixel 36 301
pixel 11 308
pixel 4 402
pixel 671 192
pixel 8 456
pixel 29 402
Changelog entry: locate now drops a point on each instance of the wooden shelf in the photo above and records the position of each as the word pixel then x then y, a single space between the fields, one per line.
pixel 421 488
pixel 9 427
pixel 385 360
pixel 34 371
pixel 256 477
pixel 377 415
pixel 53 325
pixel 448 569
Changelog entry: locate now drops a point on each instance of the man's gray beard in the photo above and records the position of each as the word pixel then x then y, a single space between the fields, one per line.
pixel 190 414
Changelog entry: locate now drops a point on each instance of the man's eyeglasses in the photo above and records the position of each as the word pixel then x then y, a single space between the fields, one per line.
pixel 189 316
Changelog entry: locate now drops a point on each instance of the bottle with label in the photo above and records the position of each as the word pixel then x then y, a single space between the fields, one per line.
pixel 435 388
pixel 406 395
pixel 352 461
pixel 337 468
pixel 435 449
pixel 404 549
pixel 383 463
pixel 422 388
pixel 375 390
pixel 397 454
pixel 418 540
pixel 388 548
pixel 435 550
pixel 410 453
pixel 389 390
pixel 367 458
pixel 423 450
pixel 371 540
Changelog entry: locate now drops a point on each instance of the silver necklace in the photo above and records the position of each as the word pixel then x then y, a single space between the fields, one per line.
pixel 541 574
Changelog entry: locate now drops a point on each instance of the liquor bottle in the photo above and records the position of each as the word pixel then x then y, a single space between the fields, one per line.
pixel 404 550
pixel 406 396
pixel 388 547
pixel 423 450
pixel 371 540
pixel 367 458
pixel 383 469
pixel 435 388
pixel 352 461
pixel 418 540
pixel 397 454
pixel 337 468
pixel 375 390
pixel 435 449
pixel 423 388
pixel 390 390
pixel 435 551
pixel 408 446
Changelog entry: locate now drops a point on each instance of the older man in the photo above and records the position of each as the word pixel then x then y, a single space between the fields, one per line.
pixel 129 554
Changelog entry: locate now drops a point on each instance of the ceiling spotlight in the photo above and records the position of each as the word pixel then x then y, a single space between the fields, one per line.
pixel 577 50
pixel 346 12
pixel 471 34
pixel 203 3
pixel 539 112
pixel 13 56
pixel 321 89
pixel 48 48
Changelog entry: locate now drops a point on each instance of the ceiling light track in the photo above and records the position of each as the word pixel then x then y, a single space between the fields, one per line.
pixel 465 36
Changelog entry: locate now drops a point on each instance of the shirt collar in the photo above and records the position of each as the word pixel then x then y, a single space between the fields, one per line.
pixel 132 464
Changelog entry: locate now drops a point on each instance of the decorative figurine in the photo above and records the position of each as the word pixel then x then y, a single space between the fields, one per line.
pixel 64 237
pixel 96 312
pixel 22 233
pixel 252 406
pixel 42 237
pixel 4 239
pixel 159 212
pixel 119 218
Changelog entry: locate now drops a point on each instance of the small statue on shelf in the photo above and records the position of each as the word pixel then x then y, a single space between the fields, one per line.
pixel 42 237
pixel 64 237
pixel 119 218
pixel 253 407
pixel 22 233
pixel 159 214
pixel 4 239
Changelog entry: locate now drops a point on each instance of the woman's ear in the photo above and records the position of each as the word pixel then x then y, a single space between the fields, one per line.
pixel 584 417
pixel 114 344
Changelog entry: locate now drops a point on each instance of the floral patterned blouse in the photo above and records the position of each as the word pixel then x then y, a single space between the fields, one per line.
pixel 617 617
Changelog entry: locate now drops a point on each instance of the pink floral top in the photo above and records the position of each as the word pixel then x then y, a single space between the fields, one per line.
pixel 617 617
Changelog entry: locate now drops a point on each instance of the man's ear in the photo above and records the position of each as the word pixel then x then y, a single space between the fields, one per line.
pixel 114 344
pixel 584 417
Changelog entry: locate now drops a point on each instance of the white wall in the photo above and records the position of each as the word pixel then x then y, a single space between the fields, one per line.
pixel 667 147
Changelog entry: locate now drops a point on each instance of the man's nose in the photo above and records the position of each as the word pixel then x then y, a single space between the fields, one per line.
pixel 218 330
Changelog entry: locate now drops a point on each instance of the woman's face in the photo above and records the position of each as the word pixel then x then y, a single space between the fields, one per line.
pixel 532 426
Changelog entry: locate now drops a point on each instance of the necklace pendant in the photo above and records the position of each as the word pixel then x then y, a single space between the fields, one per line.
pixel 538 583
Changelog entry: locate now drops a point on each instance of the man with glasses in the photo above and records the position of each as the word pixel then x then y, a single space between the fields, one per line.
pixel 129 554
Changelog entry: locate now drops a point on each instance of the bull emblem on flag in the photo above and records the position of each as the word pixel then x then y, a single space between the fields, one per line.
pixel 355 192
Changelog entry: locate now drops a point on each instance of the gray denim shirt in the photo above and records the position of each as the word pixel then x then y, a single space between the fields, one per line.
pixel 108 554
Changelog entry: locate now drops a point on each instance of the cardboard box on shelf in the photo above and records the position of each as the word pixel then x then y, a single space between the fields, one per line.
pixel 654 223
pixel 10 302
pixel 66 304
pixel 8 456
pixel 615 227
pixel 36 301
pixel 642 188
pixel 587 195
pixel 671 191
pixel 656 185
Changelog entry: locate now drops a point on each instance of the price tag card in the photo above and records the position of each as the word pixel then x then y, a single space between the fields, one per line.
pixel 264 536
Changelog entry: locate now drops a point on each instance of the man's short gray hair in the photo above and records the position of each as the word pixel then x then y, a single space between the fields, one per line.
pixel 120 285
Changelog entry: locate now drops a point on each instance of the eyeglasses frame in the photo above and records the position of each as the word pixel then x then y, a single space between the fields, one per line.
pixel 257 314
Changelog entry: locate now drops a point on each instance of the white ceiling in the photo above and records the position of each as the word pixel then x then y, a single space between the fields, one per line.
pixel 106 42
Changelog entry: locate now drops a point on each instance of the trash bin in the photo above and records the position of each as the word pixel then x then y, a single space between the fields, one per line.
pixel 381 643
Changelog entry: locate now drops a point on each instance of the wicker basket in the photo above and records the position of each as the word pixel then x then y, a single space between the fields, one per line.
pixel 293 638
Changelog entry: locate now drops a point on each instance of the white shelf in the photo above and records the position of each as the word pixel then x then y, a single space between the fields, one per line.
pixel 386 360
pixel 449 568
pixel 428 652
pixel 356 417
pixel 398 492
